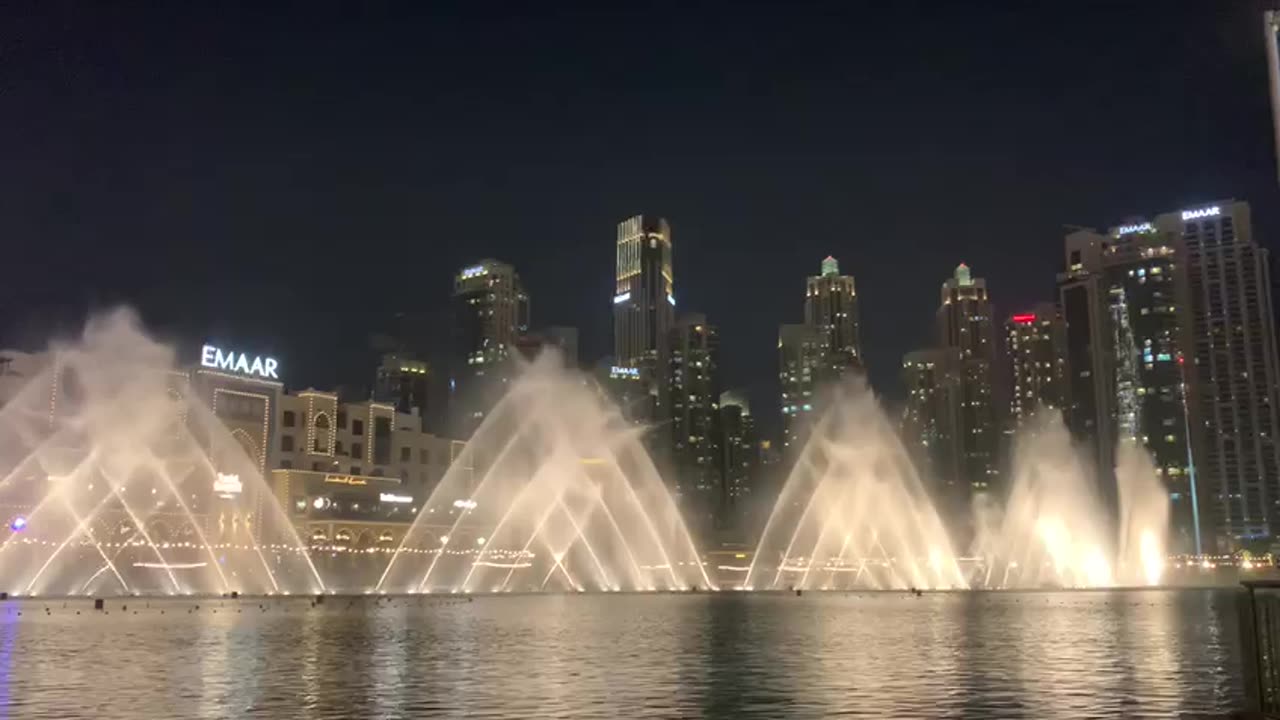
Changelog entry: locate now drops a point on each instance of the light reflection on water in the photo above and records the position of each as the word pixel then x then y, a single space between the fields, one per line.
pixel 981 655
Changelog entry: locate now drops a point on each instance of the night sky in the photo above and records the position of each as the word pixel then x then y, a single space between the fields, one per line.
pixel 289 181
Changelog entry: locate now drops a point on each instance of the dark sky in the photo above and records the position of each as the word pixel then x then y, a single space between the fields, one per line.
pixel 287 181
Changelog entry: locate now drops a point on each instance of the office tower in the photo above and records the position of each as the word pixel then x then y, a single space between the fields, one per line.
pixel 697 452
pixel 1123 300
pixel 644 302
pixel 402 381
pixel 1036 346
pixel 801 361
pixel 490 313
pixel 931 417
pixel 1144 296
pixel 1089 388
pixel 741 449
pixel 831 306
pixel 965 325
pixel 1230 366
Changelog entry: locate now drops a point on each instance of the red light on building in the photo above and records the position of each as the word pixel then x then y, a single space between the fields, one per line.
pixel 1027 319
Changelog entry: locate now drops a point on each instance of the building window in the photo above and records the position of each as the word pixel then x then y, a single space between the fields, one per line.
pixel 342 419
pixel 286 463
pixel 289 419
pixel 315 445
pixel 377 472
pixel 424 456
pixel 337 446
pixel 286 443
pixel 357 427
pixel 355 469
pixel 405 454
pixel 315 466
pixel 322 421
pixel 356 449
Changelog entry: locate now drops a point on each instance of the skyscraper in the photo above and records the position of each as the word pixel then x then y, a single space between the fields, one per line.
pixel 1035 342
pixel 1145 312
pixel 931 416
pixel 965 325
pixel 1089 388
pixel 831 306
pixel 644 302
pixel 402 381
pixel 741 450
pixel 1230 366
pixel 490 313
pixel 696 434
pixel 801 362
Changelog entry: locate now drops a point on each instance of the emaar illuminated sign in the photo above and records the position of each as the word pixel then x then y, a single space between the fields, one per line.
pixel 1201 213
pixel 624 372
pixel 393 498
pixel 621 298
pixel 215 357
pixel 474 271
pixel 1138 228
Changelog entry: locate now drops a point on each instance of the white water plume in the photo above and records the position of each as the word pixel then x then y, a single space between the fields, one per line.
pixel 109 464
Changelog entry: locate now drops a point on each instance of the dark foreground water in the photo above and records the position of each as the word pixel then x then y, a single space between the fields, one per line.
pixel 984 655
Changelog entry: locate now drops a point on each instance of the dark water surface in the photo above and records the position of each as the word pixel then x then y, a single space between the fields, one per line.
pixel 981 655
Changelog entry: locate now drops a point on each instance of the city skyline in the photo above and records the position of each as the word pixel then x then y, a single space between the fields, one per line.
pixel 748 235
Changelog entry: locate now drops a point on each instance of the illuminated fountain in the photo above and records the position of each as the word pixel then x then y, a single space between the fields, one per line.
pixel 855 514
pixel 115 478
pixel 554 492
pixel 1054 529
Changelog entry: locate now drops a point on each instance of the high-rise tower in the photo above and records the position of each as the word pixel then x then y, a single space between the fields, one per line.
pixel 490 313
pixel 831 306
pixel 696 433
pixel 1230 366
pixel 644 302
pixel 965 326
pixel 1036 343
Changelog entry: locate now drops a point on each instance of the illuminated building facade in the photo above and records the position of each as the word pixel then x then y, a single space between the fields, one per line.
pixel 741 449
pixel 1089 390
pixel 644 302
pixel 965 325
pixel 831 306
pixel 931 416
pixel 696 435
pixel 1035 341
pixel 1145 311
pixel 1230 367
pixel 403 382
pixel 802 351
pixel 490 313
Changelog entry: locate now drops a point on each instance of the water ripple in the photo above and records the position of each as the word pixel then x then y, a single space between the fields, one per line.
pixel 980 655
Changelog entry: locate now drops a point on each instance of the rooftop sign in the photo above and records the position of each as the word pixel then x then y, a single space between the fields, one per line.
pixel 1202 212
pixel 232 361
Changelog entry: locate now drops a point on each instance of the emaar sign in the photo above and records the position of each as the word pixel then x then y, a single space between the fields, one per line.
pixel 1201 213
pixel 216 358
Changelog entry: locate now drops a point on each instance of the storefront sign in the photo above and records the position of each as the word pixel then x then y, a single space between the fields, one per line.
pixel 345 480
pixel 227 485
